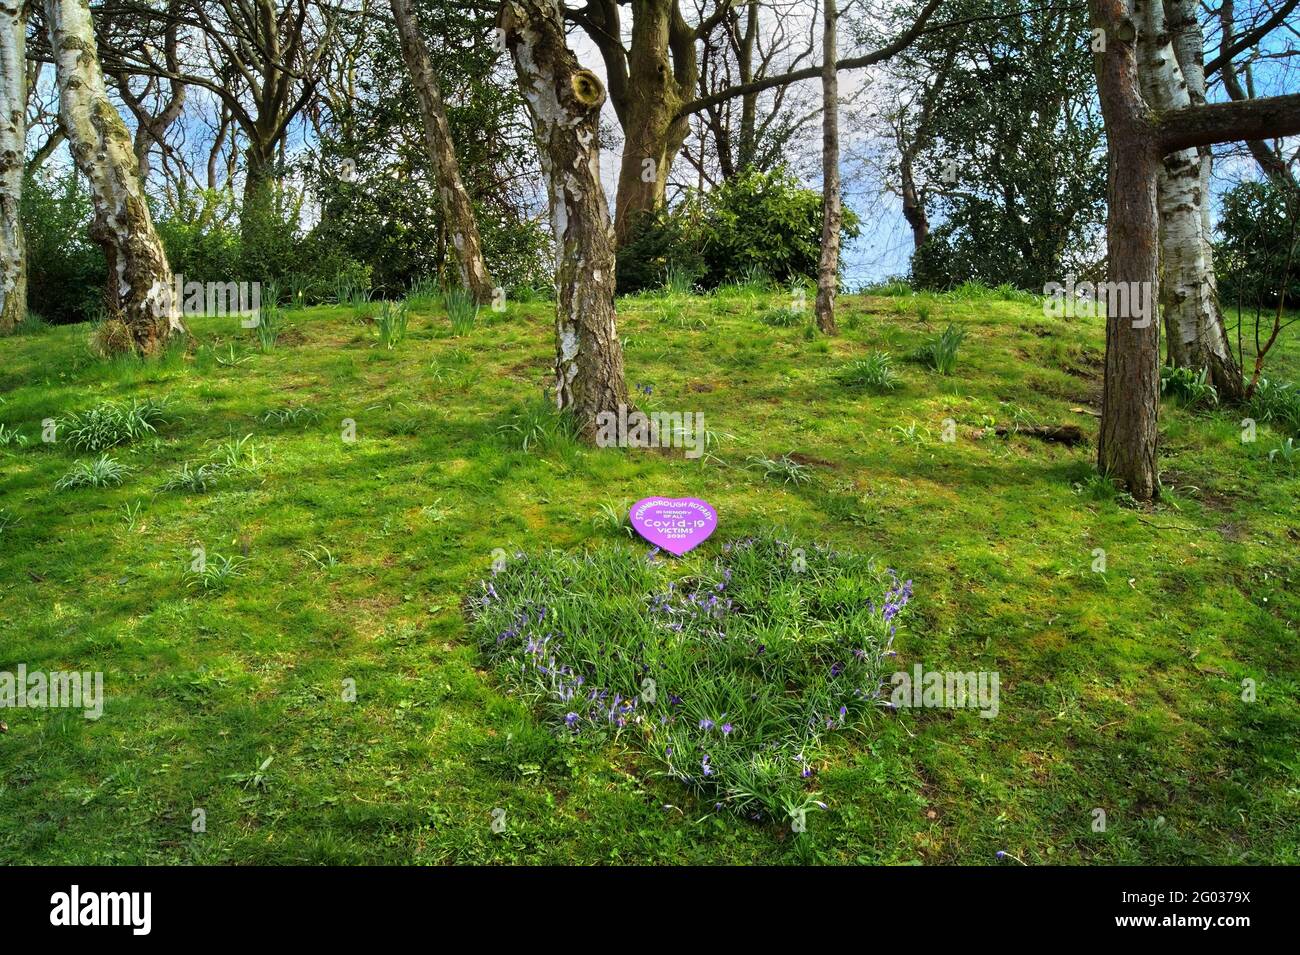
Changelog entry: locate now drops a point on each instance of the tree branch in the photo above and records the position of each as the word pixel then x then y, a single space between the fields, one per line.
pixel 1192 126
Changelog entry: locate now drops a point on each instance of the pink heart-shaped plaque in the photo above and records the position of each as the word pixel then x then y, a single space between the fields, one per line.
pixel 677 524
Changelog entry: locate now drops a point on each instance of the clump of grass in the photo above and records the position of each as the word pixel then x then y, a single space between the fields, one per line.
pixel 267 329
pixel 737 706
pixel 237 454
pixel 362 304
pixel 1276 402
pixel 319 557
pixel 940 353
pixel 300 288
pixel 969 291
pixel 890 288
pixel 873 373
pixel 109 424
pixel 1287 453
pixel 103 471
pixel 540 426
pixel 196 480
pixel 11 436
pixel 293 415
pixel 423 295
pixel 1189 388
pixel 783 316
pixel 612 519
pixel 784 469
pixel 391 322
pixel 216 574
pixel 678 281
pixel 1101 487
pixel 7 520
pixel 32 323
pixel 754 278
pixel 461 309
pixel 110 337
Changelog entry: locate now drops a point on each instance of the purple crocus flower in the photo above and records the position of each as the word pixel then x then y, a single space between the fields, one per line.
pixel 726 729
pixel 706 724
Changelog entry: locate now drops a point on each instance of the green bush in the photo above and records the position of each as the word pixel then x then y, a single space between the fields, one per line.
pixel 756 221
pixel 1260 226
pixel 65 269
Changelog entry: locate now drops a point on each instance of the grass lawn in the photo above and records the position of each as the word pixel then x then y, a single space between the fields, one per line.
pixel 1120 691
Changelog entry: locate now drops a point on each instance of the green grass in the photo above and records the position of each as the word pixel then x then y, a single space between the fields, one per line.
pixel 326 700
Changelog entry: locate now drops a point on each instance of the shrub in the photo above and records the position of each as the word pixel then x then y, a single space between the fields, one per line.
pixel 737 704
pixel 1260 234
pixel 65 269
pixel 756 220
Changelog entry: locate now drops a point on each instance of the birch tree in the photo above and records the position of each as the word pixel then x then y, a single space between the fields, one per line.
pixel 13 153
pixel 139 285
pixel 457 208
pixel 1171 66
pixel 828 268
pixel 563 102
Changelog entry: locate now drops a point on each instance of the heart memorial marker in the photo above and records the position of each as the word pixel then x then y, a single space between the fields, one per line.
pixel 677 524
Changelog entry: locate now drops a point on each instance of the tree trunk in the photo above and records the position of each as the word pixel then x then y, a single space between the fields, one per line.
pixel 139 287
pixel 456 205
pixel 828 268
pixel 13 153
pixel 913 203
pixel 653 136
pixel 1170 64
pixel 1126 449
pixel 564 103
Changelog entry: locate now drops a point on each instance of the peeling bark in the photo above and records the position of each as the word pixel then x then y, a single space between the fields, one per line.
pixel 457 208
pixel 563 102
pixel 139 286
pixel 1170 58
pixel 1126 447
pixel 13 143
pixel 828 267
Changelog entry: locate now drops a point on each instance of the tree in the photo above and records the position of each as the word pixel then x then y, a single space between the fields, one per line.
pixel 260 59
pixel 13 155
pixel 1170 63
pixel 1138 139
pixel 1000 144
pixel 139 287
pixel 457 208
pixel 828 267
pixel 564 102
pixel 652 85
